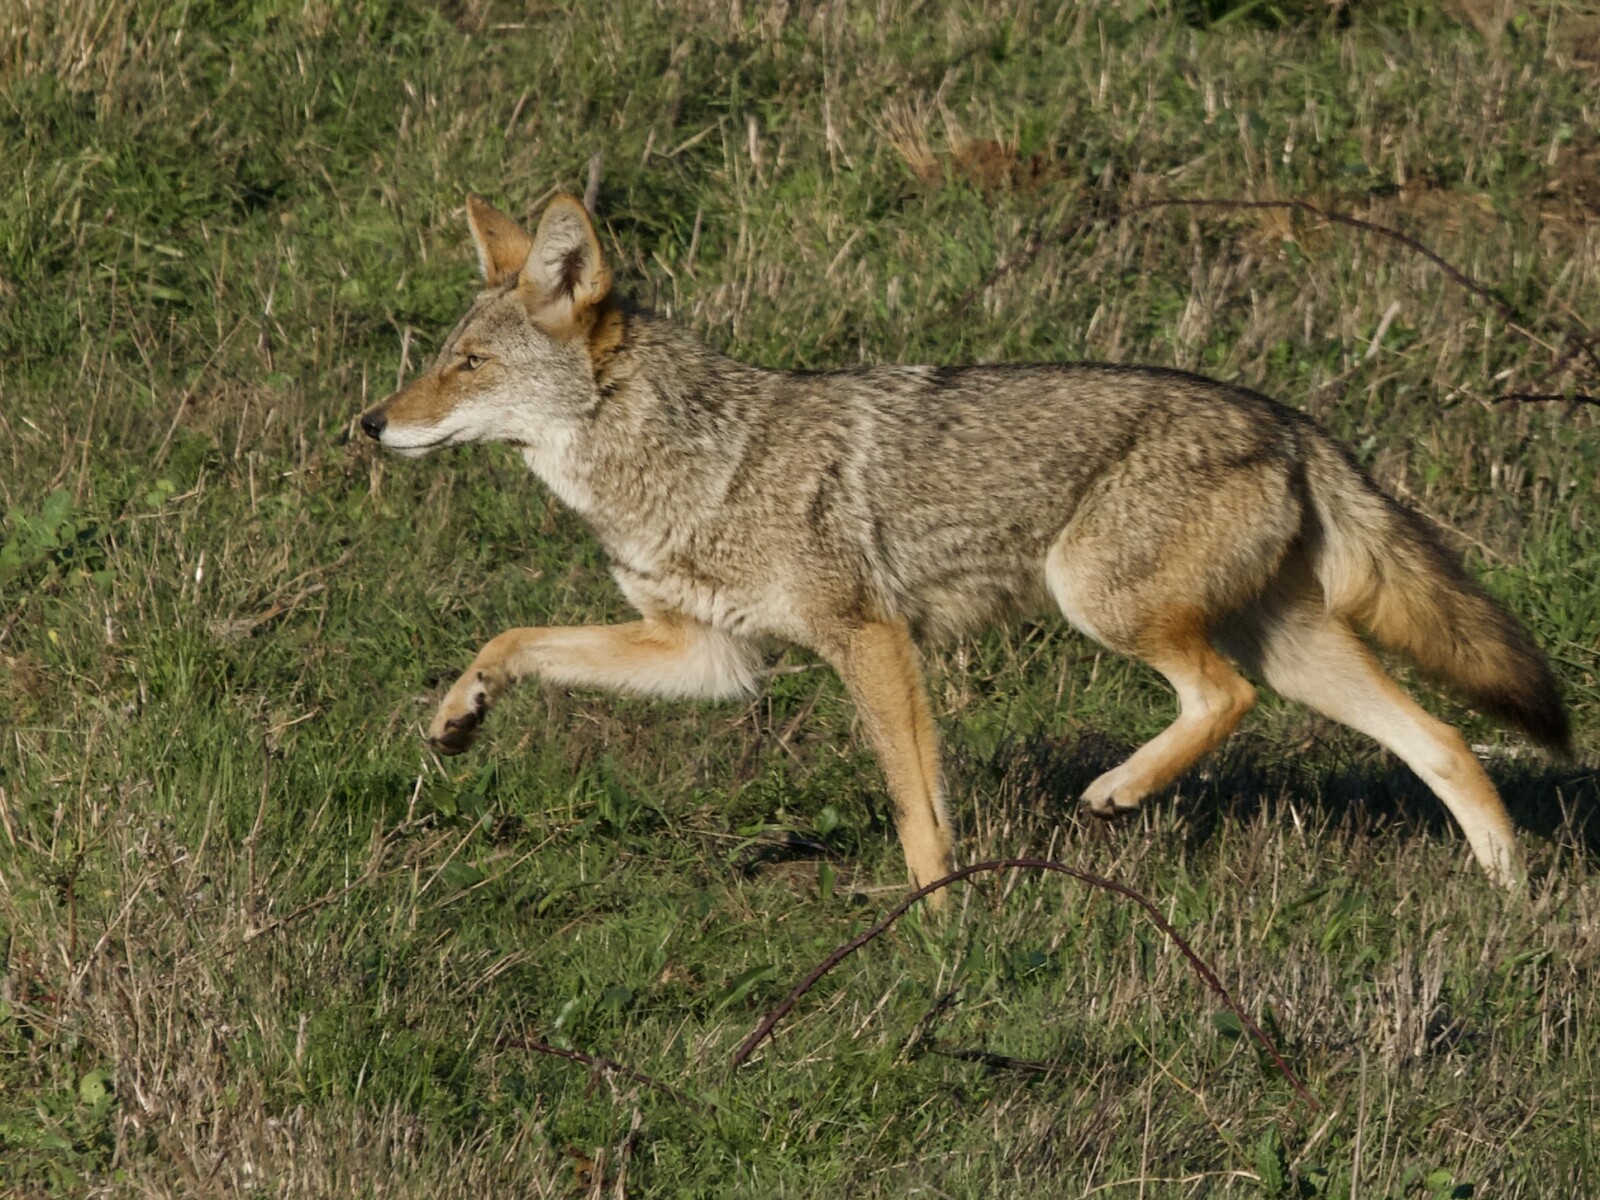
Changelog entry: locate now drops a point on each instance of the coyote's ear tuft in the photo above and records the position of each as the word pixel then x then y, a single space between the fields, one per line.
pixel 565 273
pixel 502 245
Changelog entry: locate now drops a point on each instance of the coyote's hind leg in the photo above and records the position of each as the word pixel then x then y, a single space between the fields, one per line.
pixel 1155 602
pixel 1307 654
pixel 1212 699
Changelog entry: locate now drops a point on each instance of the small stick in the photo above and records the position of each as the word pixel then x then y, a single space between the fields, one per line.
pixel 1545 398
pixel 769 1023
pixel 591 192
pixel 598 1063
pixel 1336 218
pixel 1577 342
pixel 995 1062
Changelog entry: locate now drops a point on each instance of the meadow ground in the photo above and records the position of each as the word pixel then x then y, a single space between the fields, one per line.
pixel 255 940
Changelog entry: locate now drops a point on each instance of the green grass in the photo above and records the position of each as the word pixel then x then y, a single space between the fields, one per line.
pixel 254 940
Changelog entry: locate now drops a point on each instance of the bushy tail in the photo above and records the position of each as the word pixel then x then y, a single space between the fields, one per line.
pixel 1384 569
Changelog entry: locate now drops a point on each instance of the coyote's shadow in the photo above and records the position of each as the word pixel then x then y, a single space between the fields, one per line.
pixel 1352 787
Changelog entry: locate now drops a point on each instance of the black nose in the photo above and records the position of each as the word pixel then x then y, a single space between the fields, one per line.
pixel 372 423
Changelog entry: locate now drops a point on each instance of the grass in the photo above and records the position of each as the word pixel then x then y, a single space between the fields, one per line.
pixel 253 939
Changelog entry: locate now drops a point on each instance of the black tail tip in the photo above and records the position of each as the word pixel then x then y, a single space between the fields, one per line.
pixel 1520 690
pixel 1556 737
pixel 1542 717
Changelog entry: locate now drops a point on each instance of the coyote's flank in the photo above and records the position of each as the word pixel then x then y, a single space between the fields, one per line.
pixel 1198 526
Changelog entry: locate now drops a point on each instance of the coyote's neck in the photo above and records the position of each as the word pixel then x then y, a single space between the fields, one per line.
pixel 663 444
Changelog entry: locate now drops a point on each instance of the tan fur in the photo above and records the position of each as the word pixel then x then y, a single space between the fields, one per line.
pixel 502 245
pixel 854 513
pixel 1213 698
pixel 662 656
pixel 564 277
pixel 878 663
pixel 1311 655
pixel 426 400
pixel 605 335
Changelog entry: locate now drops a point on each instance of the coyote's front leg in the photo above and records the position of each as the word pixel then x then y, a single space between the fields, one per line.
pixel 879 665
pixel 659 656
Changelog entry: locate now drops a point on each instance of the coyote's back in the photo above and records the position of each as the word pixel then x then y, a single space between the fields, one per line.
pixel 1200 527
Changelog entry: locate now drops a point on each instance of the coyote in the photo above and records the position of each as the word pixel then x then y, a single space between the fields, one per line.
pixel 1196 525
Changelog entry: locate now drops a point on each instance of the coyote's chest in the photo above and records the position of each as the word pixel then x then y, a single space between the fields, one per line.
pixel 551 461
pixel 697 590
pixel 665 557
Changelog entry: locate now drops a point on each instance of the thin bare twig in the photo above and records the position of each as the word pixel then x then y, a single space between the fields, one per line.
pixel 591 191
pixel 1578 341
pixel 994 1061
pixel 770 1022
pixel 1545 398
pixel 1337 218
pixel 371 875
pixel 598 1063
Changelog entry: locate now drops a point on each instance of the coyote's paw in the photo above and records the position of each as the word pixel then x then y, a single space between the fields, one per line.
pixel 462 711
pixel 1111 797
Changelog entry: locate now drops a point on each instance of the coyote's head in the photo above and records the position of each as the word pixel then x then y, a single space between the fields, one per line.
pixel 520 366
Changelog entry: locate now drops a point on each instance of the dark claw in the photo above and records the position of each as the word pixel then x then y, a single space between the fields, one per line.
pixel 458 734
pixel 1116 813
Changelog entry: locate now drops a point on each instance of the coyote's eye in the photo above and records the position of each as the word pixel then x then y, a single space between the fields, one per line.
pixel 473 361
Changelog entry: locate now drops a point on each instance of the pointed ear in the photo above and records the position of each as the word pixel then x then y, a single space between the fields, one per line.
pixel 502 246
pixel 565 273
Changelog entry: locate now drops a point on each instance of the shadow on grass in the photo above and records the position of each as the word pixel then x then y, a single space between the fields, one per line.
pixel 1358 789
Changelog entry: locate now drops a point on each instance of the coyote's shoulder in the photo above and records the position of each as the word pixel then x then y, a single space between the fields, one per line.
pixel 1199 526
